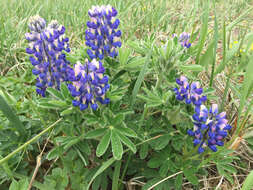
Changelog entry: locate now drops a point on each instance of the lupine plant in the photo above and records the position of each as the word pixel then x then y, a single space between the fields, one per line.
pixel 47 44
pixel 102 34
pixel 89 85
pixel 122 110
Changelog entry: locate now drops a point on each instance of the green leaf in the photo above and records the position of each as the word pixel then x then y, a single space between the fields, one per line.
pixel 118 119
pixel 162 142
pixel 104 166
pixel 249 38
pixel 151 182
pixel 55 93
pixel 248 81
pixel 209 91
pixel 229 55
pixel 58 103
pixel 155 162
pixel 20 185
pixel 123 55
pixel 164 168
pixel 95 133
pixel 8 97
pixel 14 185
pixel 67 111
pixel 207 58
pixel 135 64
pixel 229 168
pixel 224 173
pixel 127 142
pixel 46 105
pixel 96 183
pixel 55 152
pixel 126 131
pixel 116 174
pixel 144 151
pixel 239 19
pixel 117 148
pixel 64 91
pixel 248 183
pixel 136 47
pixel 190 175
pixel 179 181
pixel 191 67
pixel 139 80
pixel 104 143
pixel 203 32
pixel 12 117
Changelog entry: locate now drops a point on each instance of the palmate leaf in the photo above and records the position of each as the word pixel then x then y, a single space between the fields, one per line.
pixel 153 99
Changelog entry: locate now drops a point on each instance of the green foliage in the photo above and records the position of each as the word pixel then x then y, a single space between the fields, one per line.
pixel 248 183
pixel 141 136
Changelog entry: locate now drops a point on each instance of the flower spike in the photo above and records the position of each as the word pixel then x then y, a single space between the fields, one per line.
pixel 89 85
pixel 191 93
pixel 210 128
pixel 102 34
pixel 46 46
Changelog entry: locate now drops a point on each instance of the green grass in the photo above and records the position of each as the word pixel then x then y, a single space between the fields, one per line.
pixel 212 28
pixel 139 19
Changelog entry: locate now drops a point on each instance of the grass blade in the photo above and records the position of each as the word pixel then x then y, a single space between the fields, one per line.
pixel 203 32
pixel 12 117
pixel 248 183
pixel 248 80
pixel 104 166
pixel 216 36
pixel 139 81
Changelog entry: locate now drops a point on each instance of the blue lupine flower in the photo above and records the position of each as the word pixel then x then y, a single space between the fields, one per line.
pixel 46 47
pixel 89 85
pixel 184 39
pixel 210 128
pixel 191 93
pixel 102 35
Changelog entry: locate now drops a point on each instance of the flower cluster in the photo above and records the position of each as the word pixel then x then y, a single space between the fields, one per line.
pixel 102 35
pixel 184 39
pixel 191 93
pixel 89 85
pixel 210 128
pixel 46 45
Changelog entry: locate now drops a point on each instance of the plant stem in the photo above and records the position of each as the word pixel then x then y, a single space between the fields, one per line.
pixel 173 175
pixel 28 142
pixel 116 175
pixel 125 168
